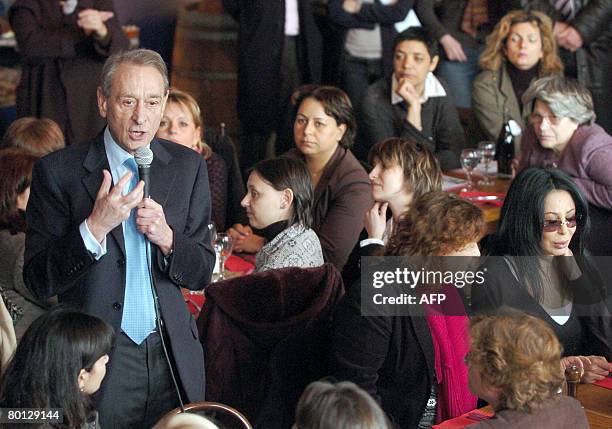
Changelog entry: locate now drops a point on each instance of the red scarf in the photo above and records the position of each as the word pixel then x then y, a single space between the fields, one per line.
pixel 450 339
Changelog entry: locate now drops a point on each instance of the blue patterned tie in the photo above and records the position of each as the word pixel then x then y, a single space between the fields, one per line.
pixel 138 308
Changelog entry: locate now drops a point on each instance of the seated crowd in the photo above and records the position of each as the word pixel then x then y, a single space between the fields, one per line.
pixel 100 239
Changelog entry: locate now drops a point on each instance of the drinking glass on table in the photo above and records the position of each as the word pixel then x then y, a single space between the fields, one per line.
pixel 469 160
pixel 213 233
pixel 487 150
pixel 223 247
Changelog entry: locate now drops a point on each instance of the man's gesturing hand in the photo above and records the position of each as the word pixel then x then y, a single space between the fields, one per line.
pixel 151 221
pixel 111 207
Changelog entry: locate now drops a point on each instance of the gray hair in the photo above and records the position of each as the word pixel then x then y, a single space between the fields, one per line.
pixel 138 57
pixel 566 98
pixel 324 404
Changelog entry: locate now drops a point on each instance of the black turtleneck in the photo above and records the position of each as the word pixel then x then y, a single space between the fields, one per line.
pixel 272 230
pixel 521 79
pixel 16 225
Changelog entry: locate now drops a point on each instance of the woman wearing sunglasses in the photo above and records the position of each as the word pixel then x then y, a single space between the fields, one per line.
pixel 563 134
pixel 543 269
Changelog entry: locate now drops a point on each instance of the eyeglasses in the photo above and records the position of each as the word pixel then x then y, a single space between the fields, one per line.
pixel 536 119
pixel 555 225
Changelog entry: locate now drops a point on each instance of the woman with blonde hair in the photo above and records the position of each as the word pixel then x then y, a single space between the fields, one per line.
pixel 182 123
pixel 514 364
pixel 520 49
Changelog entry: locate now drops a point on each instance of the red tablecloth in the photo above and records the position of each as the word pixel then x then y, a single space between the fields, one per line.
pixel 606 382
pixel 465 420
pixel 235 264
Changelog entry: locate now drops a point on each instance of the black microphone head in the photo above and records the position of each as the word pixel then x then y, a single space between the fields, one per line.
pixel 143 156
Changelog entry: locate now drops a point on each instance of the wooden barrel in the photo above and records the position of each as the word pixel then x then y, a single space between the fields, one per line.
pixel 204 61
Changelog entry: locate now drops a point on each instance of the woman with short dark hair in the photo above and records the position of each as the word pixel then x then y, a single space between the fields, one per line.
pixel 543 268
pixel 59 363
pixel 324 130
pixel 403 170
pixel 278 204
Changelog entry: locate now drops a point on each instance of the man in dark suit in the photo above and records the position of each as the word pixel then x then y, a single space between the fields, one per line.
pixel 280 47
pixel 85 243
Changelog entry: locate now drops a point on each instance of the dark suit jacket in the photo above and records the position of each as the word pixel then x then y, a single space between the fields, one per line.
pixel 63 192
pixel 261 37
pixel 390 357
pixel 61 66
pixel 442 132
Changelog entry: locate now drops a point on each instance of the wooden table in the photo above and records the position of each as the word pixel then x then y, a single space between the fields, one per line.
pixel 597 403
pixel 499 186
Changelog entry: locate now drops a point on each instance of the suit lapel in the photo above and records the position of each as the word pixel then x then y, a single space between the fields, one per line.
pixel 94 163
pixel 162 174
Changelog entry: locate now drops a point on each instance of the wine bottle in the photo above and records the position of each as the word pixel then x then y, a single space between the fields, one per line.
pixel 504 152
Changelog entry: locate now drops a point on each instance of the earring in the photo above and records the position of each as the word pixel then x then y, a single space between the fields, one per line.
pixel 81 388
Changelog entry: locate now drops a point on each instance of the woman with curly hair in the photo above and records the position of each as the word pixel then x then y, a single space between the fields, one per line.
pixel 520 49
pixel 514 364
pixel 412 365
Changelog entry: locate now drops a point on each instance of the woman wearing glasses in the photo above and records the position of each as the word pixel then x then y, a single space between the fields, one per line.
pixel 543 269
pixel 563 134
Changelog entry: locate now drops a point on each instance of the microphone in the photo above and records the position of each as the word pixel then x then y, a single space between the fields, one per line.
pixel 144 157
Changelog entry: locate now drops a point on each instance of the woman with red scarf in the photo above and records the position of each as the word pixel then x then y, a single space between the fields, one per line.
pixel 413 364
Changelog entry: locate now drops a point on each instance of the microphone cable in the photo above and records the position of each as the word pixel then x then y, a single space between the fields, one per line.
pixel 160 325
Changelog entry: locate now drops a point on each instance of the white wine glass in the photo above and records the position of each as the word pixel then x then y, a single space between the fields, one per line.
pixel 223 247
pixel 487 151
pixel 469 160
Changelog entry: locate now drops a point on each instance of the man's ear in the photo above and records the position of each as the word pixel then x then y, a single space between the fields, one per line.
pixel 101 102
pixel 287 198
pixel 165 100
pixel 434 63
